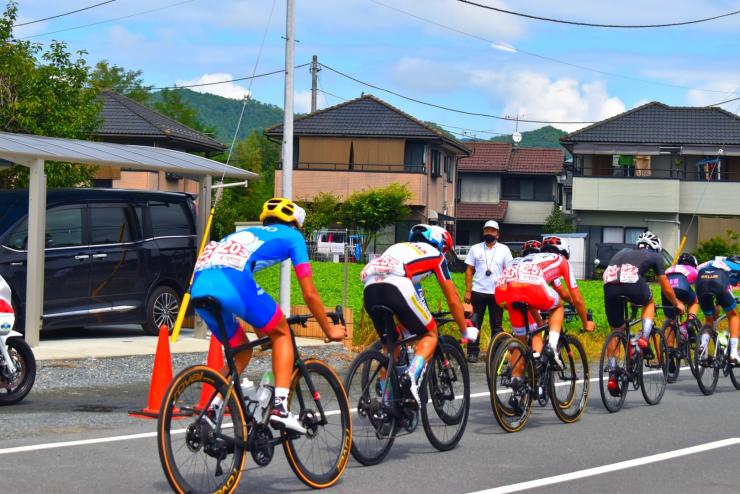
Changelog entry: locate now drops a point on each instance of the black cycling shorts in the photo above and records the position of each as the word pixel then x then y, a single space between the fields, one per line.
pixel 406 303
pixel 638 293
pixel 714 284
pixel 684 293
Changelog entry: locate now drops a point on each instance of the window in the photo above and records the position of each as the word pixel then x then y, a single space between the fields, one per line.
pixel 631 234
pixel 413 156
pixel 449 167
pixel 170 220
pixel 436 158
pixel 527 189
pixel 613 235
pixel 63 229
pixel 109 226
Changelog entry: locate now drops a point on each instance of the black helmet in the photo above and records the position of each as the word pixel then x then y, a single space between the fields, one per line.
pixel 687 259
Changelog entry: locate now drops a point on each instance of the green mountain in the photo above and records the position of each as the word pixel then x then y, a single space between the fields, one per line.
pixel 222 114
pixel 545 137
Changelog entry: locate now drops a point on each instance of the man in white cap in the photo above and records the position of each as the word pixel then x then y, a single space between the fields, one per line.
pixel 486 261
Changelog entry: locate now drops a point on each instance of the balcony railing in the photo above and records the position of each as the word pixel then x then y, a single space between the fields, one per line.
pixel 702 173
pixel 359 167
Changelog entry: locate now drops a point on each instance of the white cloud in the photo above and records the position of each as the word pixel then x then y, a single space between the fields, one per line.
pixel 536 96
pixel 302 101
pixel 427 75
pixel 227 90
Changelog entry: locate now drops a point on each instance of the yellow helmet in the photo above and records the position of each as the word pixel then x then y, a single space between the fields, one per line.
pixel 284 210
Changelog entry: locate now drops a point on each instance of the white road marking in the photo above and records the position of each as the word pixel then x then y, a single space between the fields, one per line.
pixel 622 465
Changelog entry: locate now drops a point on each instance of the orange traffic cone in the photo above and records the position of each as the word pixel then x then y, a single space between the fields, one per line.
pixel 161 376
pixel 215 360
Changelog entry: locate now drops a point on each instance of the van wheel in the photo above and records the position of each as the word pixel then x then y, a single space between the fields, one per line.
pixel 161 308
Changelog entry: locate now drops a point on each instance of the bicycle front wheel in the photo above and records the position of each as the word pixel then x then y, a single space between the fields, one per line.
pixel 569 387
pixel 373 428
pixel 692 328
pixel 735 376
pixel 673 349
pixel 210 455
pixel 511 397
pixel 613 375
pixel 445 396
pixel 707 368
pixel 320 456
pixel 497 339
pixel 654 363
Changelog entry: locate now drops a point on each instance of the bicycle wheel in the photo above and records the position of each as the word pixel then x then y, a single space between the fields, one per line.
pixel 707 370
pixel 372 427
pixel 654 363
pixel 735 376
pixel 613 363
pixel 320 456
pixel 511 399
pixel 569 387
pixel 210 455
pixel 672 341
pixel 692 328
pixel 445 396
pixel 492 348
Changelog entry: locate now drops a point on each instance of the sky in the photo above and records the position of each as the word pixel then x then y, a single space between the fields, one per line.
pixel 439 51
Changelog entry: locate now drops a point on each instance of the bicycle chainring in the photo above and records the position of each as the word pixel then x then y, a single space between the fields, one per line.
pixel 260 445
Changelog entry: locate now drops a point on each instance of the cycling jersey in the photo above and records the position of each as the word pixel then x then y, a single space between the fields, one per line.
pixel 630 265
pixel 393 280
pixel 225 271
pixel 714 282
pixel 680 278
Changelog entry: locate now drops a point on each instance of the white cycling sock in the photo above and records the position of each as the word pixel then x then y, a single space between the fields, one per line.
pixel 282 394
pixel 704 339
pixel 733 346
pixel 647 328
pixel 553 338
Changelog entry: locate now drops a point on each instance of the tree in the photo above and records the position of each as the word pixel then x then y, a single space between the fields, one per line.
pixel 172 105
pixel 127 82
pixel 44 92
pixel 718 246
pixel 556 223
pixel 322 212
pixel 371 210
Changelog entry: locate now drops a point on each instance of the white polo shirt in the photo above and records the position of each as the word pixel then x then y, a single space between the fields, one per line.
pixel 494 259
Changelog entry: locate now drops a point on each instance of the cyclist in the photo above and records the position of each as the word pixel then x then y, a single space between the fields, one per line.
pixel 715 281
pixel 394 280
pixel 529 280
pixel 681 278
pixel 225 271
pixel 625 277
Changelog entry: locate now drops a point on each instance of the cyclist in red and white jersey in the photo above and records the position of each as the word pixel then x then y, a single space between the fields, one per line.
pixel 529 280
pixel 393 280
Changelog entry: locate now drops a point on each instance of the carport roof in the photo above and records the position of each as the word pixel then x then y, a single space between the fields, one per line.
pixel 21 148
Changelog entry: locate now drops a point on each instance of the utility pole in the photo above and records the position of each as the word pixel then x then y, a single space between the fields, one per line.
pixel 288 141
pixel 314 81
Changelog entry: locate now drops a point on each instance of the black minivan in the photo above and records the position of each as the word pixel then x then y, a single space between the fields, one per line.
pixel 112 256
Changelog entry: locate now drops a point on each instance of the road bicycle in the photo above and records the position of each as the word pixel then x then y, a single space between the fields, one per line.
pixel 622 359
pixel 680 336
pixel 202 446
pixel 715 358
pixel 541 377
pixel 386 410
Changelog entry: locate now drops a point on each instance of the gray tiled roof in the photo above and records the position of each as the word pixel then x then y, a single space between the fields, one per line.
pixel 124 117
pixel 366 116
pixel 657 123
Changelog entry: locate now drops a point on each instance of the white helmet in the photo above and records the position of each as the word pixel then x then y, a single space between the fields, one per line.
pixel 650 240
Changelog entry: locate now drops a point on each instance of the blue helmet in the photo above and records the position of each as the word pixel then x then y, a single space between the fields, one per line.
pixel 434 235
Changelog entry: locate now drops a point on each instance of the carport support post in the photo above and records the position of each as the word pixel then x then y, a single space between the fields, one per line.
pixel 204 210
pixel 36 246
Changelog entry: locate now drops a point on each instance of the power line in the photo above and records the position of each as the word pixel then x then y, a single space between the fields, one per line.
pixel 245 78
pixel 63 14
pixel 110 20
pixel 542 57
pixel 447 108
pixel 589 24
pixel 725 101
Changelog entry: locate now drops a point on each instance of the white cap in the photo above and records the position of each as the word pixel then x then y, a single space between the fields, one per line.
pixel 491 224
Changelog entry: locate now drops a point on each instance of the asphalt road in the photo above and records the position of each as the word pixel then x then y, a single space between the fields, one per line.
pixel 640 449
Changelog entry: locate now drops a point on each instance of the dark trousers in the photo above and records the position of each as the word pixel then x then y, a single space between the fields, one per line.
pixel 481 302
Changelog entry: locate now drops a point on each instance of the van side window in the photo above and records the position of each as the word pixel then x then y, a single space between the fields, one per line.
pixel 63 229
pixel 109 226
pixel 170 220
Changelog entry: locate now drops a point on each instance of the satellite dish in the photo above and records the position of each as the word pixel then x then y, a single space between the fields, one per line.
pixel 516 137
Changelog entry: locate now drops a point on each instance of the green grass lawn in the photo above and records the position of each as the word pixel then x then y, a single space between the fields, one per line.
pixel 329 278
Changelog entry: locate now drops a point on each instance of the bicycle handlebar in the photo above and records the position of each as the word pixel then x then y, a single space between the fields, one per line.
pixel 337 317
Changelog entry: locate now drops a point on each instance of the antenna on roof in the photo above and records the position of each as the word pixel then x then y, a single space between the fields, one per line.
pixel 516 136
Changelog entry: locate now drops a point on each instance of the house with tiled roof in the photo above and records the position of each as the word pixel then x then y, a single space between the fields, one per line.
pixel 366 142
pixel 515 186
pixel 126 121
pixel 673 170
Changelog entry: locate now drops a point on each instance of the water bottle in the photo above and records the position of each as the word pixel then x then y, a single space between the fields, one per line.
pixel 634 347
pixel 684 332
pixel 264 395
pixel 722 338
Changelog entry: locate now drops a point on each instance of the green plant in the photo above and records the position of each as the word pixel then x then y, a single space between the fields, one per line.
pixel 556 222
pixel 718 246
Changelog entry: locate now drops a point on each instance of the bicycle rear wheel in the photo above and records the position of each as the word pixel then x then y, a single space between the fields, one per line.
pixel 209 456
pixel 320 456
pixel 673 349
pixel 569 387
pixel 735 376
pixel 654 363
pixel 613 363
pixel 372 427
pixel 707 369
pixel 492 349
pixel 445 396
pixel 511 399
